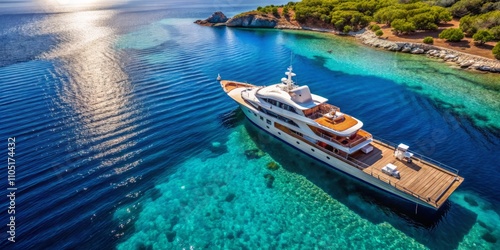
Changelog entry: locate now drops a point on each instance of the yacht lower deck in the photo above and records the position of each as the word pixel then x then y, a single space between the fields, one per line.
pixel 420 178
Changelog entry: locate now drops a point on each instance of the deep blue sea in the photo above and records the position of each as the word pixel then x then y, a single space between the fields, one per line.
pixel 124 139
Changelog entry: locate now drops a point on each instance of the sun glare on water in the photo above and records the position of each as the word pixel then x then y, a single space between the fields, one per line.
pixel 75 2
pixel 76 5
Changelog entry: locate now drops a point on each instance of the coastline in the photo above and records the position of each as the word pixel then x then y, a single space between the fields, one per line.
pixel 457 58
pixel 460 59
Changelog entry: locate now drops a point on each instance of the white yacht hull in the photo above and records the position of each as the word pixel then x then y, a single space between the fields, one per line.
pixel 330 161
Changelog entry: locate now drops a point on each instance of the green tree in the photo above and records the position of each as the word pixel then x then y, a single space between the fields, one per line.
pixel 452 35
pixel 348 17
pixel 445 16
pixel 339 24
pixel 496 51
pixel 402 26
pixel 286 11
pixel 424 21
pixel 495 31
pixel 482 36
pixel 466 7
pixel 375 27
pixel 389 14
pixel 428 40
pixel 379 33
pixel 467 25
pixel 490 6
pixel 275 11
pixel 347 29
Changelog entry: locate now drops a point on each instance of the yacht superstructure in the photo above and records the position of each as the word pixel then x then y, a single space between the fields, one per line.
pixel 308 123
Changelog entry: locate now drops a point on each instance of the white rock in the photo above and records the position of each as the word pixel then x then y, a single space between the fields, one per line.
pixel 417 51
pixel 450 57
pixel 467 63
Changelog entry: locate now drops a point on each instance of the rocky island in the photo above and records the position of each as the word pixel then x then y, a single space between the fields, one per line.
pixel 405 34
pixel 251 19
pixel 217 18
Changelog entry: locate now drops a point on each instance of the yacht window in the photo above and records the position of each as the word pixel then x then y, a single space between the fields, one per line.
pixel 268 121
pixel 262 118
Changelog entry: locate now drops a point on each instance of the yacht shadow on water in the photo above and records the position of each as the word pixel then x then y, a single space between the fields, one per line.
pixel 232 118
pixel 368 202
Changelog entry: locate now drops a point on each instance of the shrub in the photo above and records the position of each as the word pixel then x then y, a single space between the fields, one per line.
pixel 496 51
pixel 347 29
pixel 402 26
pixel 379 33
pixel 428 40
pixel 495 31
pixel 452 35
pixel 466 7
pixel 482 36
pixel 375 27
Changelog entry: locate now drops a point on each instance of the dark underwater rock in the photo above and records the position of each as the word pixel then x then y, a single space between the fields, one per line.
pixel 171 236
pixel 488 237
pixel 471 201
pixel 269 180
pixel 272 166
pixel 230 197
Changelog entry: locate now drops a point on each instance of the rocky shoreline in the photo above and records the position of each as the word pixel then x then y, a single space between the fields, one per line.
pixel 367 37
pixel 463 60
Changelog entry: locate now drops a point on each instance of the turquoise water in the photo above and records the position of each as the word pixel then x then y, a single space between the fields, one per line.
pixel 127 141
pixel 222 197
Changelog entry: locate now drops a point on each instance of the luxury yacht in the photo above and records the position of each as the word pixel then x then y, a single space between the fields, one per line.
pixel 308 123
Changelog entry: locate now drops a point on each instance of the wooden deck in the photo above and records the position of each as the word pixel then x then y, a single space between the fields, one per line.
pixel 419 178
pixel 342 125
pixel 422 179
pixel 230 85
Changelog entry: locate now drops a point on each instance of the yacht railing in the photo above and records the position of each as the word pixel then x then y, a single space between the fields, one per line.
pixel 383 177
pixel 323 108
pixel 421 158
pixel 244 94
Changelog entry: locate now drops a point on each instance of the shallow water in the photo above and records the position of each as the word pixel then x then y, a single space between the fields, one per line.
pixel 125 139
